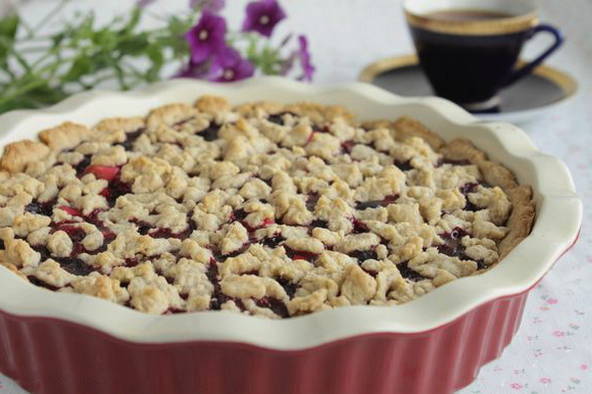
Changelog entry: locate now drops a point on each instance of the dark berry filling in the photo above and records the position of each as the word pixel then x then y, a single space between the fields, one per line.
pixel 288 286
pixel 218 297
pixel 363 255
pixel 274 241
pixel 277 306
pixel 38 282
pixel 82 165
pixel 130 138
pixel 404 165
pixel 41 208
pixel 465 190
pixel 74 265
pixel 376 203
pixel 359 226
pixel 143 227
pixel 210 133
pixel 300 255
pixel 452 246
pixel 319 223
pixel 311 201
pixel 75 233
pixel 117 188
pixel 279 118
pixel 238 214
pixel 347 146
pixel 408 273
pixel 168 233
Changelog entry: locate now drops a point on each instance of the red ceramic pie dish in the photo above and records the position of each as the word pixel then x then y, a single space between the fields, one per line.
pixel 69 343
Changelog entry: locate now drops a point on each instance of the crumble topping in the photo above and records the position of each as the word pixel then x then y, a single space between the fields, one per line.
pixel 263 209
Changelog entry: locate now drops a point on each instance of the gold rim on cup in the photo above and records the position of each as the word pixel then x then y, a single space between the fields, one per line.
pixel 511 24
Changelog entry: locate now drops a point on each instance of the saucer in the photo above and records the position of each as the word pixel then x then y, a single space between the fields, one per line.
pixel 543 90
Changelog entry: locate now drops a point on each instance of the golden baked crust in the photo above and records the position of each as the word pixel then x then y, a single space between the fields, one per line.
pixel 18 154
pixel 266 209
pixel 65 136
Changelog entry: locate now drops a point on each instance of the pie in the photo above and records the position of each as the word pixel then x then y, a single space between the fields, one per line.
pixel 264 209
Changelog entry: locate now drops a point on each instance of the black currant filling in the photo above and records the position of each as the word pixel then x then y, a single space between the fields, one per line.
pixel 82 165
pixel 130 138
pixel 359 227
pixel 116 189
pixel 41 208
pixel 319 223
pixel 38 282
pixel 311 201
pixel 143 227
pixel 347 146
pixel 453 246
pixel 210 133
pixel 276 306
pixel 168 233
pixel 238 215
pixel 404 165
pixel 279 118
pixel 300 255
pixel 376 203
pixel 468 188
pixel 274 241
pixel 218 297
pixel 288 286
pixel 363 255
pixel 408 273
pixel 70 264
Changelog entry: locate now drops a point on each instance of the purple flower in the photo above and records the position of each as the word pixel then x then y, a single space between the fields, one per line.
pixel 305 62
pixel 207 37
pixel 262 16
pixel 230 66
pixel 144 3
pixel 201 70
pixel 214 6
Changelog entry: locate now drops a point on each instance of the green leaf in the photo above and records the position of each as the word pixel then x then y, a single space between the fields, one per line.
pixel 81 66
pixel 154 53
pixel 106 39
pixel 9 26
pixel 133 45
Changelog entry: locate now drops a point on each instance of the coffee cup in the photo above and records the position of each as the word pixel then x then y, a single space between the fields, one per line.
pixel 469 49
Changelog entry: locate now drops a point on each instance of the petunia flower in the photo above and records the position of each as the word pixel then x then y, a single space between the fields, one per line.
pixel 305 61
pixel 195 70
pixel 263 16
pixel 214 6
pixel 230 66
pixel 144 3
pixel 207 37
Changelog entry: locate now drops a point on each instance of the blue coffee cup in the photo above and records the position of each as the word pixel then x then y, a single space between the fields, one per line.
pixel 469 49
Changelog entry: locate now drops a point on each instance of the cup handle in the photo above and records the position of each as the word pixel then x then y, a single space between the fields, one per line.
pixel 529 67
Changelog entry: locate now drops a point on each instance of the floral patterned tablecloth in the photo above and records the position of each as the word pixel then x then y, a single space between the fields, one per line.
pixel 552 351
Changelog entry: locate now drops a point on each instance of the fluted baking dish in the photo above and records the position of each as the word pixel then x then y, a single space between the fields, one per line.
pixel 69 343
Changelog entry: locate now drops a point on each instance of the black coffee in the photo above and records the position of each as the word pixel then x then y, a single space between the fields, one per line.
pixel 466 15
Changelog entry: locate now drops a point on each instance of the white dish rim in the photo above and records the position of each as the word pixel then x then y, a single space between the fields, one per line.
pixel 552 235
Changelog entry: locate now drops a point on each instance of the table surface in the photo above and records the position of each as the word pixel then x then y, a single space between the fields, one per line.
pixel 552 351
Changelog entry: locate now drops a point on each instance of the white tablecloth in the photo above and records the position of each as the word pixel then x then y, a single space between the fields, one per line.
pixel 552 351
